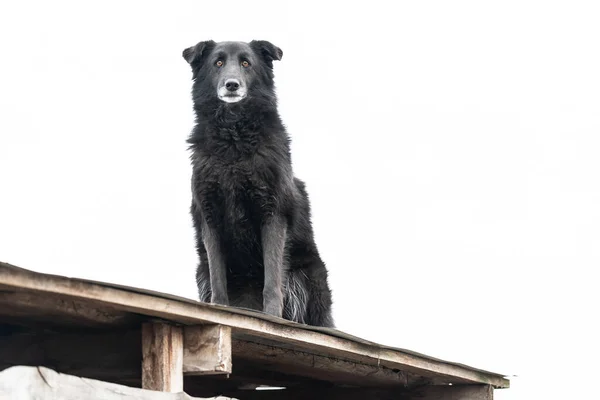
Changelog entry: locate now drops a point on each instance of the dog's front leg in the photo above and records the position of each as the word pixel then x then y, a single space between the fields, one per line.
pixel 273 236
pixel 216 265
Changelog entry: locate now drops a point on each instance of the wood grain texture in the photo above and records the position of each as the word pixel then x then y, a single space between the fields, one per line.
pixel 55 310
pixel 206 350
pixel 324 369
pixel 162 357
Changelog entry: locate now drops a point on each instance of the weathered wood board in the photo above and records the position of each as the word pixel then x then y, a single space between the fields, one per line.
pixel 207 350
pixel 162 357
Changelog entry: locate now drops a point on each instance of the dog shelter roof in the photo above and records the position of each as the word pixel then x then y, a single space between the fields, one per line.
pixel 32 298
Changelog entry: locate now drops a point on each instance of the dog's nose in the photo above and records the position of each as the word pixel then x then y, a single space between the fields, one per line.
pixel 232 85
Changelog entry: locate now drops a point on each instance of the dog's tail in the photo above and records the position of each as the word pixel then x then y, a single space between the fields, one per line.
pixel 308 298
pixel 318 312
pixel 297 296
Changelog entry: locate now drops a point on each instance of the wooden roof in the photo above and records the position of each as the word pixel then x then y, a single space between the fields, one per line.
pixel 266 349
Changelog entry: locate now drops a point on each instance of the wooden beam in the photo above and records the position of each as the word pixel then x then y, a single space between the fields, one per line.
pixel 55 310
pixel 162 357
pixel 206 350
pixel 297 363
pixel 453 392
pixel 253 326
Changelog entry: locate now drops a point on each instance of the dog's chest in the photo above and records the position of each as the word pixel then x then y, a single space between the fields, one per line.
pixel 238 189
pixel 233 173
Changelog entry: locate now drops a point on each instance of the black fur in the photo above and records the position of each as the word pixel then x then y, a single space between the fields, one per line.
pixel 251 215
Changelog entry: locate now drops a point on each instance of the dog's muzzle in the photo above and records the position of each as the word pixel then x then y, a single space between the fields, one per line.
pixel 231 91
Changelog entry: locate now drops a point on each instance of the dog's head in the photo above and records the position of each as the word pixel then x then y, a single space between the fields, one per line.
pixel 233 71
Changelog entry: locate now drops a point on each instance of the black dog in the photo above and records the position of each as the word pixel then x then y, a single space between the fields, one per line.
pixel 252 217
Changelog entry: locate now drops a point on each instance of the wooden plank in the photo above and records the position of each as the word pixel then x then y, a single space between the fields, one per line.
pixel 453 392
pixel 56 310
pixel 327 369
pixel 162 357
pixel 29 383
pixel 285 335
pixel 206 350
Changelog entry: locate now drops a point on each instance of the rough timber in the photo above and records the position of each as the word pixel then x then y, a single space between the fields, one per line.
pixel 146 339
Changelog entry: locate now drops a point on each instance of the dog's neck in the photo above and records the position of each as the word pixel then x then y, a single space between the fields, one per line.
pixel 247 115
pixel 219 122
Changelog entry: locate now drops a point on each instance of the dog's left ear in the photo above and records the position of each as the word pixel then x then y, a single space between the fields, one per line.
pixel 267 50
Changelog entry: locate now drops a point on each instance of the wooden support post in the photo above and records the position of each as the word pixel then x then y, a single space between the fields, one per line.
pixel 207 350
pixel 162 357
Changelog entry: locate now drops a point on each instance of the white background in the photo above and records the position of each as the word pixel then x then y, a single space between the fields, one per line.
pixel 450 150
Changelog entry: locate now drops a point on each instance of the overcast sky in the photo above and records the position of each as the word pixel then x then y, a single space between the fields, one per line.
pixel 450 149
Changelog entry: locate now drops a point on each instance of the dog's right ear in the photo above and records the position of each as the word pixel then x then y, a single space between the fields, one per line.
pixel 193 55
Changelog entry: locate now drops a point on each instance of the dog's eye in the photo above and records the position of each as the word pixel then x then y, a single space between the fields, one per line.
pixel 219 63
pixel 245 64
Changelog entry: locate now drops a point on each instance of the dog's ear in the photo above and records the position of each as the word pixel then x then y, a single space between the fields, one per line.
pixel 267 50
pixel 193 55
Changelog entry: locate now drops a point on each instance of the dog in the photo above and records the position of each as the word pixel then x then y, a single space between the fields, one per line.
pixel 254 236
